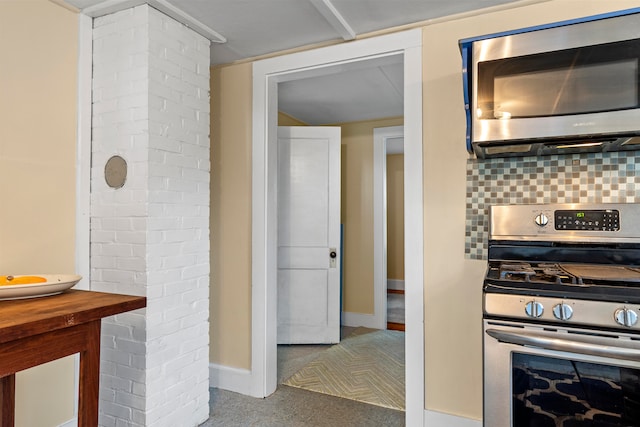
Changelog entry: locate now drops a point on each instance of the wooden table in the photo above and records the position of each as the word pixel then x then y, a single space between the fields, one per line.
pixel 38 330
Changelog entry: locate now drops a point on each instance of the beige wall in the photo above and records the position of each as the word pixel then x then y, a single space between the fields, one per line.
pixel 395 216
pixel 357 212
pixel 453 350
pixel 287 120
pixel 38 41
pixel 230 293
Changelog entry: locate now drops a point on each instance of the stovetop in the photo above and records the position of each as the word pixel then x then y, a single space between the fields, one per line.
pixel 564 273
pixel 564 280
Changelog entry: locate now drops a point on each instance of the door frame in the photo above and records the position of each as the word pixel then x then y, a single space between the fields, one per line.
pixel 267 74
pixel 380 137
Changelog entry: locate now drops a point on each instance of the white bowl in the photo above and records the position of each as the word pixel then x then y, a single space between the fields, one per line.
pixel 55 284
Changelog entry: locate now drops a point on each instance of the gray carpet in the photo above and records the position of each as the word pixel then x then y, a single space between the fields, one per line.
pixel 295 407
pixel 368 366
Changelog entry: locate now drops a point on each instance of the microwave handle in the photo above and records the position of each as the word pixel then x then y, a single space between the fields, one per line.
pixel 591 347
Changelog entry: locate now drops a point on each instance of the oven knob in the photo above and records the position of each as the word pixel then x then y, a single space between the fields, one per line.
pixel 534 309
pixel 542 220
pixel 562 311
pixel 626 317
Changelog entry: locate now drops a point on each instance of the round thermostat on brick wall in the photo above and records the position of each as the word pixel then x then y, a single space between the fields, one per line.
pixel 115 172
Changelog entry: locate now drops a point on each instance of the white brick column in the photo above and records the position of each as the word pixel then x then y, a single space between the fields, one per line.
pixel 151 237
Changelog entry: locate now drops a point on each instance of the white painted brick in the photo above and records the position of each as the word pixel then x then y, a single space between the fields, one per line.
pixel 130 400
pixel 138 419
pixel 153 234
pixel 102 262
pixel 194 271
pixel 137 375
pixel 179 185
pixel 116 249
pixel 103 236
pixel 107 368
pixel 118 411
pixel 165 276
pixel 197 151
pixel 165 144
pixel 195 294
pixel 180 160
pixel 107 341
pixel 117 330
pixel 108 382
pixel 130 347
pixel 121 423
pixel 130 237
pixel 130 210
pixel 131 264
pixel 106 394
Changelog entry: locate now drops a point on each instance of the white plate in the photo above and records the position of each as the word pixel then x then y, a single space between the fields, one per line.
pixel 55 284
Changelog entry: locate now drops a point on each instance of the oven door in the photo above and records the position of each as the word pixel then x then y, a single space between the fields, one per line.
pixel 552 376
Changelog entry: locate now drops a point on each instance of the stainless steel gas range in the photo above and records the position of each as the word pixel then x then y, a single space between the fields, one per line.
pixel 561 332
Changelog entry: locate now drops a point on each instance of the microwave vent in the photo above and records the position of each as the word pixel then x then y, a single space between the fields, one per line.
pixel 540 148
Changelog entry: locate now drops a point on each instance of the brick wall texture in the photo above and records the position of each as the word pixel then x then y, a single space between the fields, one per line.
pixel 151 237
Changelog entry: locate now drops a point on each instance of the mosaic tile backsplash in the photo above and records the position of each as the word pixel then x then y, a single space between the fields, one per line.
pixel 575 178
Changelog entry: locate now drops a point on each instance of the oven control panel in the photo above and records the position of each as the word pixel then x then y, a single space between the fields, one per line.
pixel 596 220
pixel 554 310
pixel 566 222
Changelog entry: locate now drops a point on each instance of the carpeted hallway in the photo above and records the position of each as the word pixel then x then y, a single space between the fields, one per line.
pixel 293 407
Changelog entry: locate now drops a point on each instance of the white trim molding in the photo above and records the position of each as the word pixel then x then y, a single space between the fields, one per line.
pixel 267 74
pixel 83 175
pixel 83 149
pixel 414 235
pixel 231 379
pixel 380 138
pixel 359 319
pixel 108 7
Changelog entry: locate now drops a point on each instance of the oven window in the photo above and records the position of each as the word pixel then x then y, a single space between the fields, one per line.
pixel 565 393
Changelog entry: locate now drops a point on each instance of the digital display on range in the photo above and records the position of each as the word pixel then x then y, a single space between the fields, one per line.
pixel 596 220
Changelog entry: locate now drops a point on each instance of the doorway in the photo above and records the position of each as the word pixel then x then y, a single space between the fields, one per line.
pixel 387 141
pixel 267 74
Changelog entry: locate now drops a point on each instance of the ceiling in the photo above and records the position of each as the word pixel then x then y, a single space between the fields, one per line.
pixel 241 29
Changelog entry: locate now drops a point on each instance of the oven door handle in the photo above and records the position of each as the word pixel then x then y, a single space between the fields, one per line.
pixel 592 346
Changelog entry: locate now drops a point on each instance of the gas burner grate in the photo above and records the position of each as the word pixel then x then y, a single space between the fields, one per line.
pixel 553 273
pixel 545 273
pixel 513 270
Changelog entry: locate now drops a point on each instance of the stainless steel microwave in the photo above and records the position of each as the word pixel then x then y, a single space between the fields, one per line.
pixel 561 88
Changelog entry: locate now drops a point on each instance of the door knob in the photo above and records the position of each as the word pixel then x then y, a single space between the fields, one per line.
pixel 333 254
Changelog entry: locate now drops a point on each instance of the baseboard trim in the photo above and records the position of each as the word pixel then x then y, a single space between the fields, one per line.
pixel 71 423
pixel 359 319
pixel 395 284
pixel 230 379
pixel 440 419
pixel 395 326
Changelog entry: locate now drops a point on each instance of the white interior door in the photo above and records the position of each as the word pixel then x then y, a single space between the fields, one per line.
pixel 308 235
